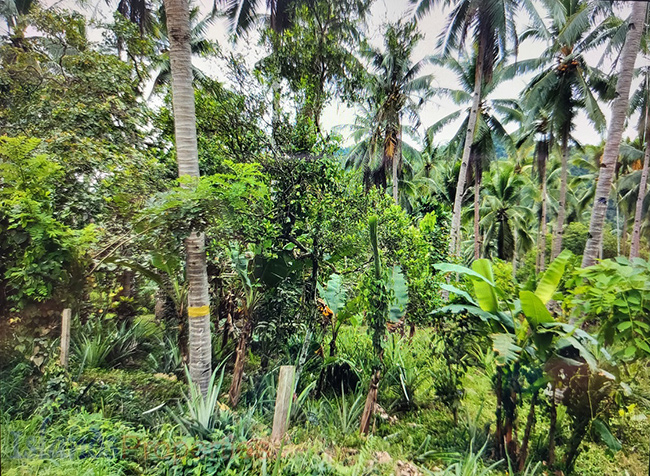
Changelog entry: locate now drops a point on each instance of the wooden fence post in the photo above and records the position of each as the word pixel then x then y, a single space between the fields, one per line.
pixel 283 402
pixel 66 317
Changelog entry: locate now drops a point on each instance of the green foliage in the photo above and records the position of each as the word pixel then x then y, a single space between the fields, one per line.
pixel 575 237
pixel 316 55
pixel 203 414
pixel 454 336
pixel 615 294
pixel 42 256
pixel 227 125
pixel 471 464
pixel 129 394
pixel 400 295
pixel 376 293
pixel 503 278
pixel 56 82
pixel 344 412
pixel 407 375
pixel 333 294
pixel 104 343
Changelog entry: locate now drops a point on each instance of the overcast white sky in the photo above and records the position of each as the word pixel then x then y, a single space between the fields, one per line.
pixel 382 12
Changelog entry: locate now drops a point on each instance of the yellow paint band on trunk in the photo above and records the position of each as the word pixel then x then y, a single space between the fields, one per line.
pixel 198 311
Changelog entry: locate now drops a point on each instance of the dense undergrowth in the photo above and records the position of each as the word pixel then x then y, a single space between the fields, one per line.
pixel 128 421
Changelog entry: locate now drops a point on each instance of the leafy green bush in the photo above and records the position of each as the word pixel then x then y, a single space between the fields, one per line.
pixel 615 294
pixel 41 255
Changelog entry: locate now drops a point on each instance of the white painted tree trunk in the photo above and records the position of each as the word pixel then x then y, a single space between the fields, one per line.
pixel 198 310
pixel 454 239
pixel 614 133
pixel 643 189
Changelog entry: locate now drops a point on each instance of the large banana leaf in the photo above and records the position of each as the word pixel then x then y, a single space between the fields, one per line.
pixel 585 353
pixel 482 279
pixel 484 288
pixel 459 292
pixel 474 310
pixel 608 438
pixel 534 309
pixel 551 278
pixel 456 268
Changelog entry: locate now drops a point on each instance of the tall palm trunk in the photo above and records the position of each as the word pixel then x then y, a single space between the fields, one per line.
pixel 615 132
pixel 477 212
pixel 541 241
pixel 454 240
pixel 561 211
pixel 198 307
pixel 542 231
pixel 643 187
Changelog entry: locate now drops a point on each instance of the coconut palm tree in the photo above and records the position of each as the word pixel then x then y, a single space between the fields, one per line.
pixel 397 91
pixel 365 154
pixel 490 130
pixel 198 305
pixel 505 216
pixel 492 28
pixel 615 131
pixel 243 14
pixel 566 83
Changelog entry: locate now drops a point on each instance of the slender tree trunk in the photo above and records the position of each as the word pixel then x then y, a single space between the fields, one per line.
pixel 371 399
pixel 498 434
pixel 530 422
pixel 240 361
pixel 643 187
pixel 454 240
pixel 579 430
pixel 180 55
pixel 614 133
pixel 477 214
pixel 624 246
pixel 335 333
pixel 510 412
pixel 275 113
pixel 397 159
pixel 561 211
pixel 618 227
pixel 541 242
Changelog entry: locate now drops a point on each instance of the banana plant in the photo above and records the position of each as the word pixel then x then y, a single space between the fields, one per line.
pixel 523 333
